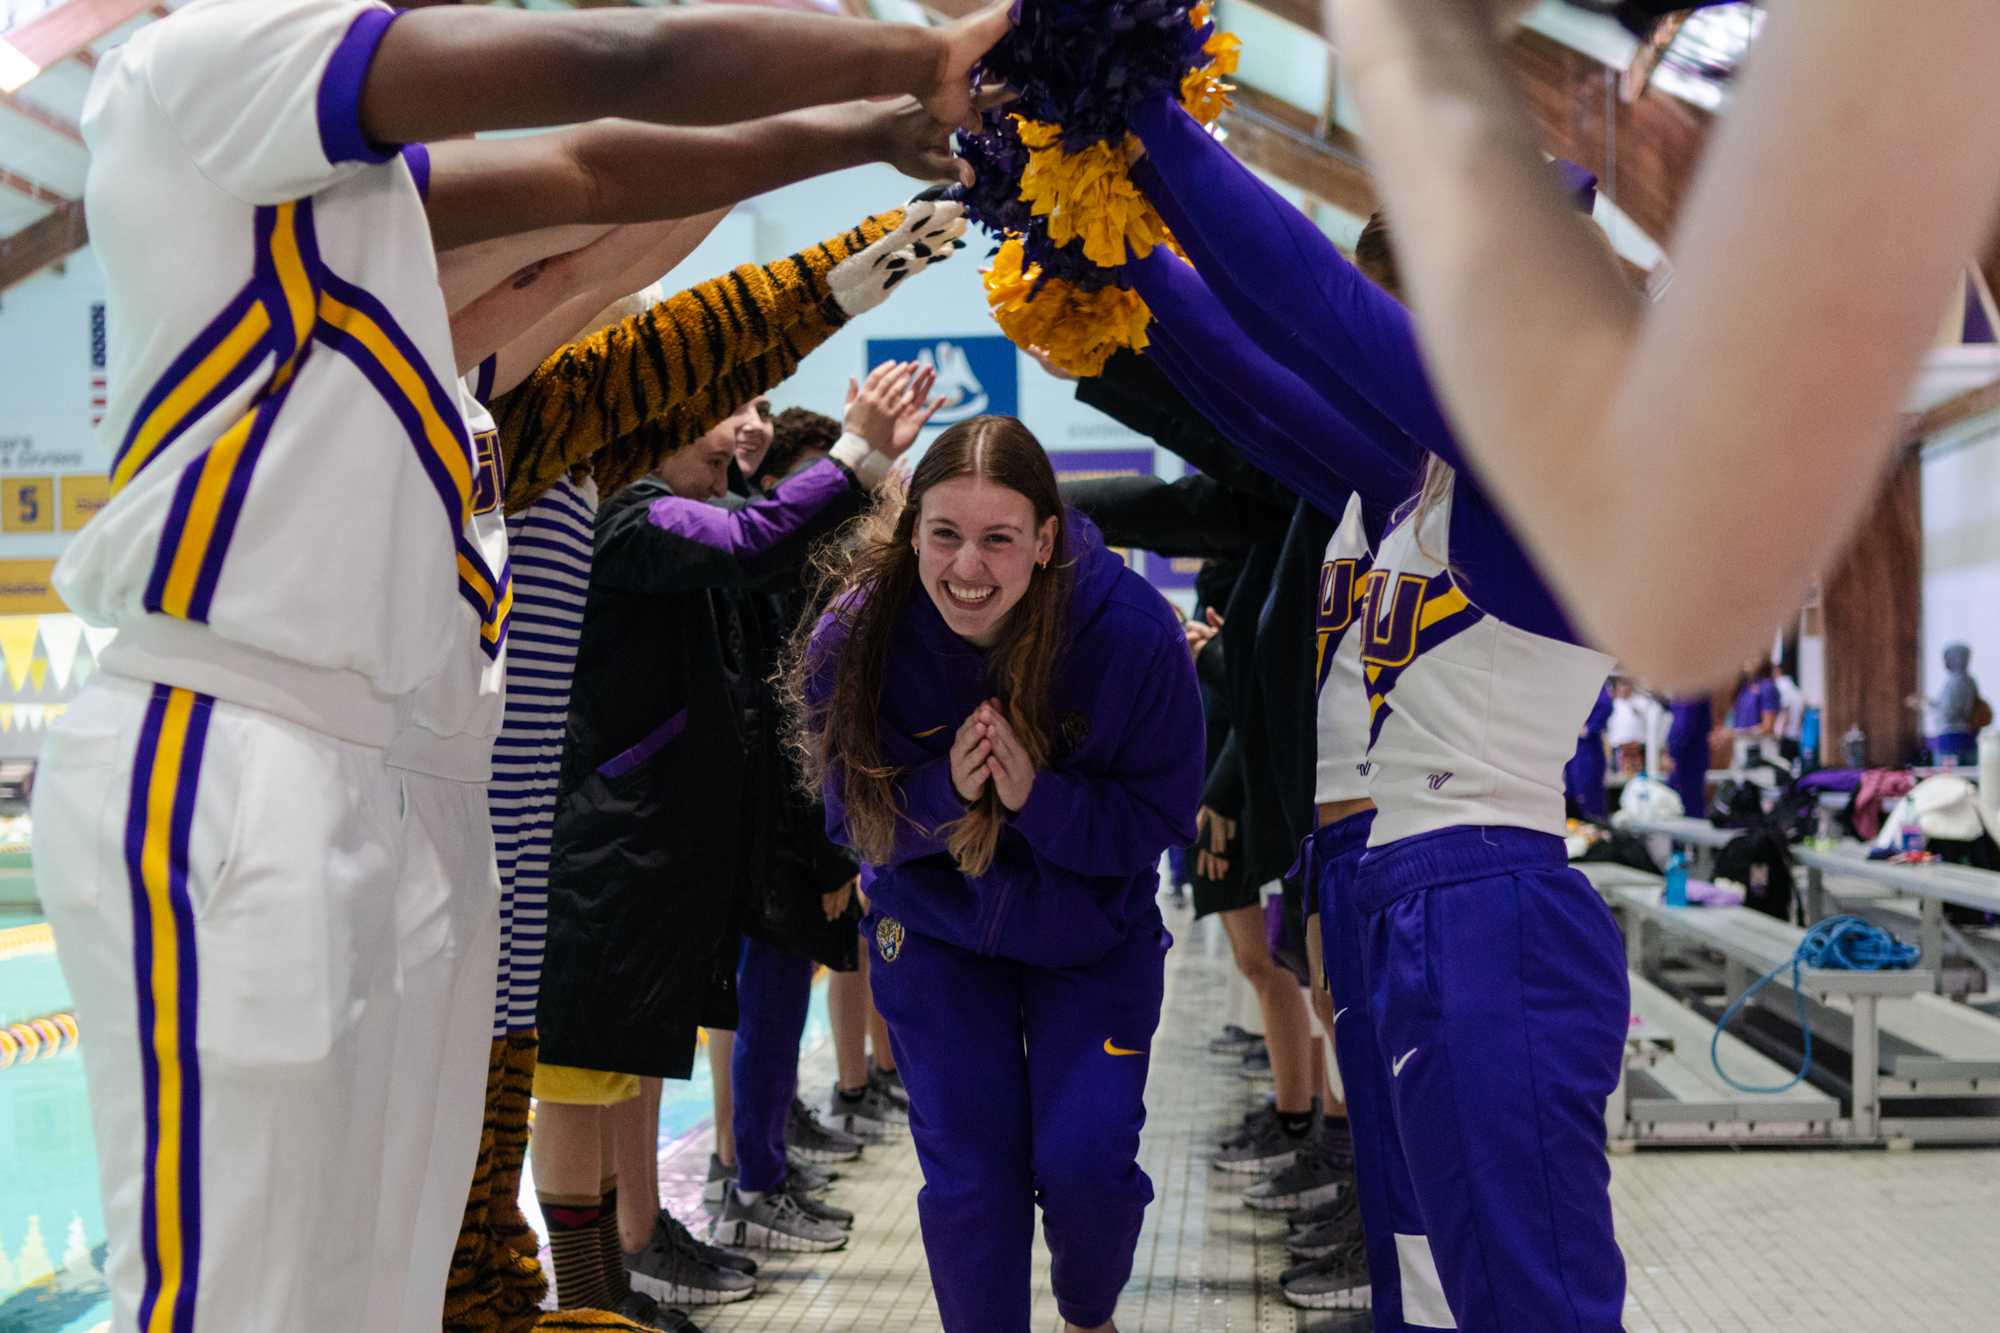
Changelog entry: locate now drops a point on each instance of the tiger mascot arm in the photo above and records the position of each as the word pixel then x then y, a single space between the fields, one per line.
pixel 726 340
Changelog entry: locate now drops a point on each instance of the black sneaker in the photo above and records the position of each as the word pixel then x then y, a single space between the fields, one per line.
pixel 1318 1175
pixel 708 1254
pixel 643 1310
pixel 1235 1041
pixel 675 1274
pixel 1337 1282
pixel 807 1138
pixel 1262 1149
pixel 819 1208
pixel 1256 1065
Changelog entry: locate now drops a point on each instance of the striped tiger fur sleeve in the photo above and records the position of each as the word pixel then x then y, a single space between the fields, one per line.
pixel 636 454
pixel 604 387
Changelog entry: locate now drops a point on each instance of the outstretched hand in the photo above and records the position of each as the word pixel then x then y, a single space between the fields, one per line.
pixel 950 99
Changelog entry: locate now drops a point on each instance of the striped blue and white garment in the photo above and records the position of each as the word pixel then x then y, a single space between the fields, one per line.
pixel 550 546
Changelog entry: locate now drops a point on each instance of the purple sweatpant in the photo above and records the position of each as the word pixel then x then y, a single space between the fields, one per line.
pixel 774 989
pixel 1401 1270
pixel 1498 988
pixel 1026 1085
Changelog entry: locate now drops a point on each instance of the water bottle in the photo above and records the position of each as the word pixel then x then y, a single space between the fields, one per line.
pixel 1854 745
pixel 1809 738
pixel 1912 837
pixel 1677 879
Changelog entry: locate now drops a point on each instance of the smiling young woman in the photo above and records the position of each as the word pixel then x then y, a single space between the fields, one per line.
pixel 1009 751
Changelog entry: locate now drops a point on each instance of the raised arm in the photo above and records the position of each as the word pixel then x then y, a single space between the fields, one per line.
pixel 1285 283
pixel 1278 422
pixel 1842 192
pixel 527 316
pixel 619 171
pixel 627 389
pixel 1136 393
pixel 1195 516
pixel 446 72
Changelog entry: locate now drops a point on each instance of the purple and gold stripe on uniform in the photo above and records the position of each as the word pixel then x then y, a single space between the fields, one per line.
pixel 208 500
pixel 359 327
pixel 1422 614
pixel 158 826
pixel 1342 583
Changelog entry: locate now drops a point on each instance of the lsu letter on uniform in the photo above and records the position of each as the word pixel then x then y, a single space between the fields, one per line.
pixel 261 830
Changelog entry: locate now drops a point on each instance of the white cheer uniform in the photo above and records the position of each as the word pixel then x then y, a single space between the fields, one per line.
pixel 261 831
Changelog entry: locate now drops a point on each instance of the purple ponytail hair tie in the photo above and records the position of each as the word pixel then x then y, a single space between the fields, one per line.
pixel 1580 185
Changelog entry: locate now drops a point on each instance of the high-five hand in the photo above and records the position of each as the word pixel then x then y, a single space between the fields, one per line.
pixel 874 404
pixel 915 411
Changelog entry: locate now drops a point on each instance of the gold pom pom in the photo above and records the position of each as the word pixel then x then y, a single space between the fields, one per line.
pixel 1205 91
pixel 1089 195
pixel 1077 331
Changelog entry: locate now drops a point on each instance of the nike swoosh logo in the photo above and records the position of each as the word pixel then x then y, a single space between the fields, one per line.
pixel 922 735
pixel 1338 1012
pixel 1396 1069
pixel 1109 1049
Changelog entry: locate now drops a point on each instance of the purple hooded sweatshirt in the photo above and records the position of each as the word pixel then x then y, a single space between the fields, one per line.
pixel 1076 868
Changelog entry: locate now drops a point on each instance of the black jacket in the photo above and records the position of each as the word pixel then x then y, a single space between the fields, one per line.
pixel 665 806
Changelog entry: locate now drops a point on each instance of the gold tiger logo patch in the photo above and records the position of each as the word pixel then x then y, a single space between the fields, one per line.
pixel 889 938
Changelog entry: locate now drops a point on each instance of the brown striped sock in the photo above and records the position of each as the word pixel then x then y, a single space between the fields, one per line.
pixel 616 1283
pixel 581 1282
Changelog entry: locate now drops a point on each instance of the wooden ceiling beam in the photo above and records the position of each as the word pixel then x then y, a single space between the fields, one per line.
pixel 48 120
pixel 67 30
pixel 34 190
pixel 35 247
pixel 1278 139
pixel 1956 410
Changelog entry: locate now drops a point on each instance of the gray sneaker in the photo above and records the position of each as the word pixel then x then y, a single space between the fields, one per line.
pixel 1234 1040
pixel 890 1083
pixel 1318 1175
pixel 809 1179
pixel 675 1275
pixel 1253 1123
pixel 774 1222
pixel 1264 1147
pixel 809 1140
pixel 819 1209
pixel 713 1188
pixel 1324 1239
pixel 872 1118
pixel 708 1254
pixel 1337 1282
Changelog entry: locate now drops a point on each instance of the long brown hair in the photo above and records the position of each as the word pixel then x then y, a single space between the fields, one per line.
pixel 868 582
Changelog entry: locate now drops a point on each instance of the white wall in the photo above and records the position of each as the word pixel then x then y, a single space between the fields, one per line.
pixel 1961 580
pixel 45 374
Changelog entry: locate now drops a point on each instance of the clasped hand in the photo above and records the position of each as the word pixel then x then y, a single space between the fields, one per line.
pixel 987 750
